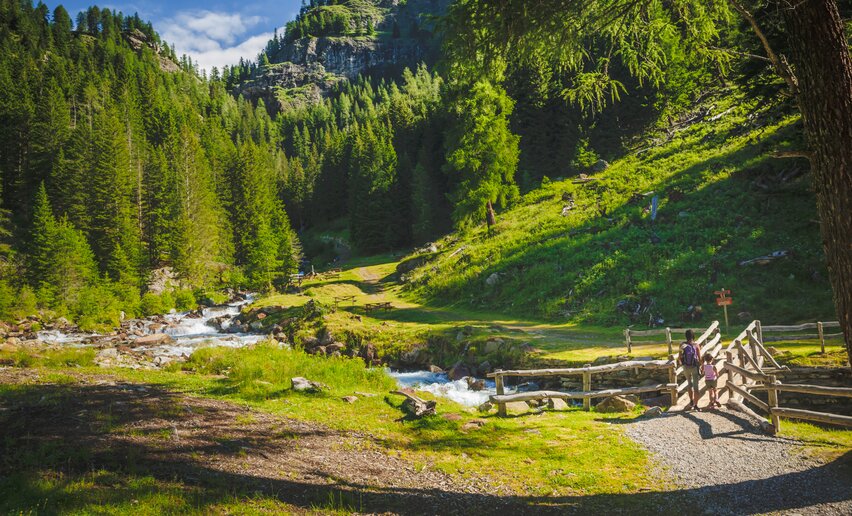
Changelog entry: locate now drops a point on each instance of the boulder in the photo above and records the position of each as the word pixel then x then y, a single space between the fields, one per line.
pixel 475 384
pixel 600 165
pixel 485 407
pixel 615 404
pixel 653 412
pixel 458 371
pixel 493 279
pixel 9 347
pixel 435 369
pixel 155 339
pixel 304 385
pixel 517 407
pixel 335 347
pixel 492 345
pixel 256 325
pixel 350 399
pixel 557 404
pixel 485 367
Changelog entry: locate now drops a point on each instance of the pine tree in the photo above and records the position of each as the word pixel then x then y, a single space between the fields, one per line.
pixel 42 237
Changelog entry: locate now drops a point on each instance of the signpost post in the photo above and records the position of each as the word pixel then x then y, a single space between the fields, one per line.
pixel 724 300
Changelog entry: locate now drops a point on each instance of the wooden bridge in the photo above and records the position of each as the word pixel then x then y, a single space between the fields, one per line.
pixel 744 365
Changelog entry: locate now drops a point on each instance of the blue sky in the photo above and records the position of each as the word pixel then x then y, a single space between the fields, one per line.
pixel 214 32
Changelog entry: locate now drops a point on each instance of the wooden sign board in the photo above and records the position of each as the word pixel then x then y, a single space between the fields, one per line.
pixel 723 292
pixel 724 301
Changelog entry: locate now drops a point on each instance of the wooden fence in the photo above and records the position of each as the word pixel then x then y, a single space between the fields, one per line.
pixel 501 398
pixel 749 367
pixel 819 326
pixel 630 335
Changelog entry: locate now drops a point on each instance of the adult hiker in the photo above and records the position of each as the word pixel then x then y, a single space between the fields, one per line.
pixel 690 359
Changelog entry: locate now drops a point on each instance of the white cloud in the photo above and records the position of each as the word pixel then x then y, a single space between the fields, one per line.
pixel 214 38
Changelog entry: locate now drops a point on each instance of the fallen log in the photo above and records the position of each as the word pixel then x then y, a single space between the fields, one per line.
pixel 417 407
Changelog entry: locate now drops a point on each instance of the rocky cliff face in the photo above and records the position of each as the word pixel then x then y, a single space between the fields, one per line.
pixel 305 70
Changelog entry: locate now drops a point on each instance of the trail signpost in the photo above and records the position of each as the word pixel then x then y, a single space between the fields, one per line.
pixel 724 299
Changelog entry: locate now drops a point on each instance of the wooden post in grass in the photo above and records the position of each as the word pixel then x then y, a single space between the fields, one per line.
pixel 772 395
pixel 627 340
pixel 587 387
pixel 821 337
pixel 498 384
pixel 673 380
pixel 729 358
pixel 758 328
pixel 669 338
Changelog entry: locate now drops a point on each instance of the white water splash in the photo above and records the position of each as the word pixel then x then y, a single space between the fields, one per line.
pixel 439 385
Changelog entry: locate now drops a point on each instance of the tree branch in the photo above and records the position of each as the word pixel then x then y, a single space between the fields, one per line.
pixel 782 67
pixel 792 154
pixel 743 54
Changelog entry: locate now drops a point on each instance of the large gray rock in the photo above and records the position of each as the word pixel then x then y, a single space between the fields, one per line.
pixel 557 404
pixel 615 404
pixel 304 385
pixel 458 371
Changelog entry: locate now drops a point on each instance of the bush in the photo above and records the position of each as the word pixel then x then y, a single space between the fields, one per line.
pixel 152 304
pixel 185 300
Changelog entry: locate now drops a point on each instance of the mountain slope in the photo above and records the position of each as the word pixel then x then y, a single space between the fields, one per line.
pixel 722 201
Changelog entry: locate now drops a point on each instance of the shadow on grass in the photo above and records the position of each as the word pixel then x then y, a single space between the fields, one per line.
pixel 72 431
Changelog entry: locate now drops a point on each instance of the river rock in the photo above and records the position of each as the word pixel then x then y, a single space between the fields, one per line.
pixel 304 385
pixel 557 404
pixel 485 407
pixel 517 407
pixel 256 325
pixel 458 371
pixel 435 369
pixel 474 384
pixel 155 339
pixel 615 404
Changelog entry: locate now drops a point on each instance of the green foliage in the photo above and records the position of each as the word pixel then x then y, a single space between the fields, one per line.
pixel 482 151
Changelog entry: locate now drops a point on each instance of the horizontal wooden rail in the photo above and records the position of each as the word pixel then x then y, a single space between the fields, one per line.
pixel 805 326
pixel 751 398
pixel 577 395
pixel 810 415
pixel 569 371
pixel 805 389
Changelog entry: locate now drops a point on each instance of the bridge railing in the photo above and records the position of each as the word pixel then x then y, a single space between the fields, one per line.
pixel 501 398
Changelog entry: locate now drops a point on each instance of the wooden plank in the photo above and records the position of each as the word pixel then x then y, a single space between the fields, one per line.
pixel 766 354
pixel 751 398
pixel 576 395
pixel 709 331
pixel 784 338
pixel 645 333
pixel 809 415
pixel 831 324
pixel 798 327
pixel 845 392
pixel 606 368
pixel 748 358
pixel 587 386
pixel 772 397
pixel 758 377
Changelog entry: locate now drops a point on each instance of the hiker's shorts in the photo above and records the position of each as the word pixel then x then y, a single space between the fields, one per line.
pixel 692 376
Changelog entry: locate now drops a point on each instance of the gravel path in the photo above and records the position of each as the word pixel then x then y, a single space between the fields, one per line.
pixel 724 461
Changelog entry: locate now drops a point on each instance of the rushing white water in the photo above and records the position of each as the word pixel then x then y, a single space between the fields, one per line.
pixel 439 385
pixel 188 331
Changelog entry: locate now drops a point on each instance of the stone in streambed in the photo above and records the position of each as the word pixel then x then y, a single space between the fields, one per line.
pixel 155 339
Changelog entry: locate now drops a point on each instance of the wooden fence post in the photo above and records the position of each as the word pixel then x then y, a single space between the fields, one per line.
pixel 729 358
pixel 673 380
pixel 498 384
pixel 669 338
pixel 758 358
pixel 759 328
pixel 821 337
pixel 587 387
pixel 627 340
pixel 772 395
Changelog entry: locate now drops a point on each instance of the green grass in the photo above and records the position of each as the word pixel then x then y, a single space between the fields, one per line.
pixel 576 268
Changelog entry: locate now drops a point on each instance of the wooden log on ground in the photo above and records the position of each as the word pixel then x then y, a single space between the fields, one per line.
pixel 417 407
pixel 606 368
pixel 577 395
pixel 805 389
pixel 809 415
pixel 765 425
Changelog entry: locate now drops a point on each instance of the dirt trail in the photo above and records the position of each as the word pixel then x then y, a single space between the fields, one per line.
pixel 731 467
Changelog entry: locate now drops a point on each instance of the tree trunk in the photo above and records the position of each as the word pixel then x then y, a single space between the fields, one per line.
pixel 820 54
pixel 490 218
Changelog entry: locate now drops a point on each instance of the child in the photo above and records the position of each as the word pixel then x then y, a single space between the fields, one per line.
pixel 711 377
